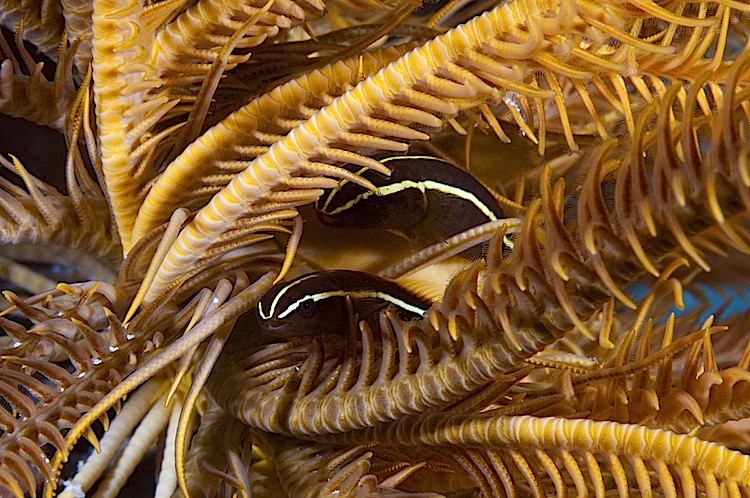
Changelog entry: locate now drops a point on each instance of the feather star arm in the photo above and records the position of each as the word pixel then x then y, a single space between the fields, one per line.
pixel 228 141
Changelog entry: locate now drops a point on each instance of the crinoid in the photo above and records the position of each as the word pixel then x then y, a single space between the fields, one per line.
pixel 597 346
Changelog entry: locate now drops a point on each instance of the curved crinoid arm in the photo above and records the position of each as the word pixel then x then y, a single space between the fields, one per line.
pixel 146 333
pixel 128 105
pixel 319 469
pixel 650 389
pixel 44 399
pixel 42 22
pixel 718 393
pixel 132 432
pixel 220 456
pixel 26 93
pixel 455 71
pixel 701 395
pixel 184 50
pixel 77 14
pixel 689 194
pixel 102 352
pixel 601 102
pixel 41 215
pixel 557 456
pixel 211 161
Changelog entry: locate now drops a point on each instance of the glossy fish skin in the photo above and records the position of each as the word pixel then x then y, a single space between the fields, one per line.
pixel 426 200
pixel 316 303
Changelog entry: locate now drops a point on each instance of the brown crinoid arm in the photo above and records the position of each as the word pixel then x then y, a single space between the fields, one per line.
pixel 644 382
pixel 26 93
pixel 47 404
pixel 42 398
pixel 213 469
pixel 43 216
pixel 42 22
pixel 156 338
pixel 184 50
pixel 209 163
pixel 318 469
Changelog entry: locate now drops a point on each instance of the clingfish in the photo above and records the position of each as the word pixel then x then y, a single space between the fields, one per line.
pixel 425 200
pixel 316 303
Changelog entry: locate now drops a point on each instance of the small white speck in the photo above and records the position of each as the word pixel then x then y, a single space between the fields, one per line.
pixel 129 337
pixel 511 101
pixel 215 300
pixel 96 361
pixel 74 488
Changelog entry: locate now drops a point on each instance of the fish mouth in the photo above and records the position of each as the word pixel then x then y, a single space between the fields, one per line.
pixel 273 326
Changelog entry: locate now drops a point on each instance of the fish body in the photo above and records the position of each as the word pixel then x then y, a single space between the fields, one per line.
pixel 425 200
pixel 316 303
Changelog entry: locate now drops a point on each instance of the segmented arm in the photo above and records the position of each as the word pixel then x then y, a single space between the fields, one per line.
pixel 184 50
pixel 26 93
pixel 210 162
pixel 42 22
pixel 129 104
pixel 548 454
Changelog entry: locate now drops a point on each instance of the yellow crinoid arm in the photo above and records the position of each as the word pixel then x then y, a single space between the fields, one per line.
pixel 551 455
pixel 185 48
pixel 128 104
pixel 211 161
pixel 490 57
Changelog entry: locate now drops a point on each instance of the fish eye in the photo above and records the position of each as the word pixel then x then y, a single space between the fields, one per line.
pixel 306 308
